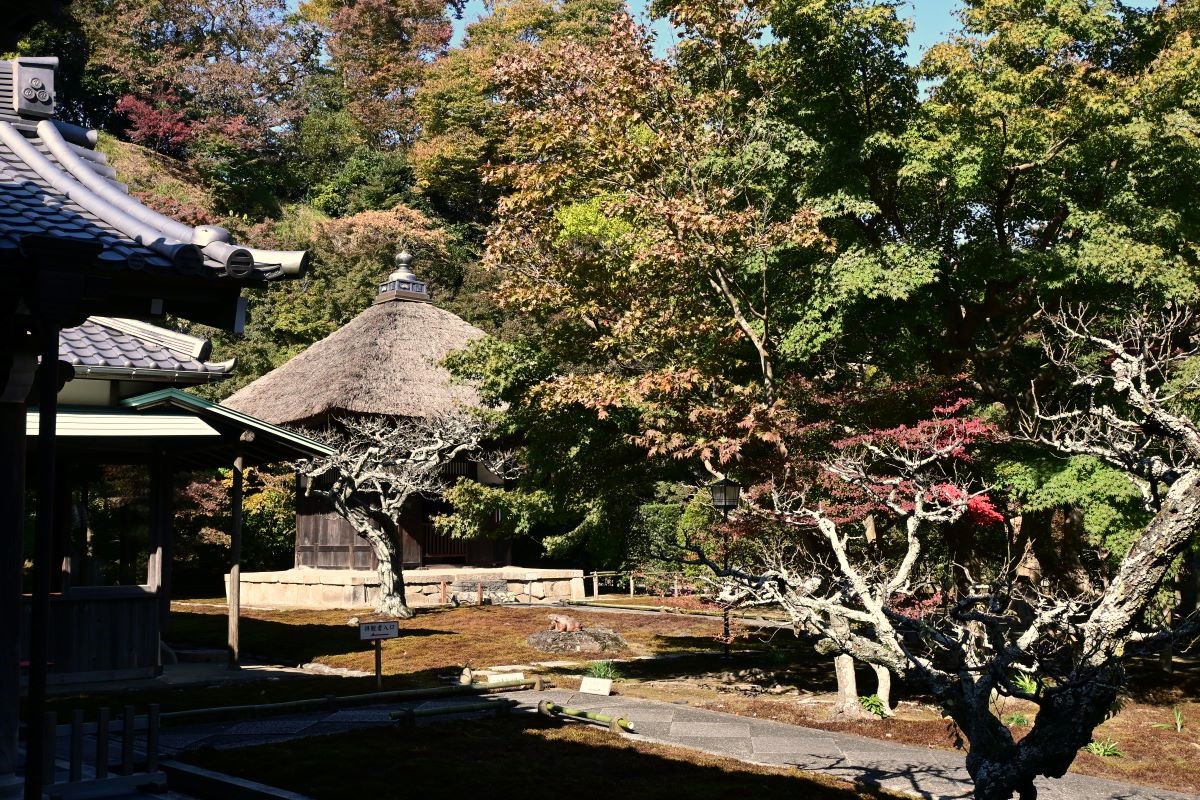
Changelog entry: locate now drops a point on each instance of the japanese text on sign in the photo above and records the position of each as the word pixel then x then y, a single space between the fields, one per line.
pixel 378 630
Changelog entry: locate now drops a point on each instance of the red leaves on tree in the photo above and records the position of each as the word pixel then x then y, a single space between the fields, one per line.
pixel 161 126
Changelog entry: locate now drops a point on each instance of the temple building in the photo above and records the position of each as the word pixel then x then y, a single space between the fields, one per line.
pixel 385 362
pixel 74 244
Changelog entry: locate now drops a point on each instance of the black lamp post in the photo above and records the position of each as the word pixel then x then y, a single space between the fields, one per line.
pixel 726 495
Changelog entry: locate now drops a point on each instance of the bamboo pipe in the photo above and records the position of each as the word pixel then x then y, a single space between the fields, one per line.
pixel 546 708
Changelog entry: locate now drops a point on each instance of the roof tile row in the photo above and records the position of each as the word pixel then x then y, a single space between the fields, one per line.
pixel 95 345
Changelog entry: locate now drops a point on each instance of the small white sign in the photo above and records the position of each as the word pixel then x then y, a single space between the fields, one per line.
pixel 595 686
pixel 369 631
pixel 505 677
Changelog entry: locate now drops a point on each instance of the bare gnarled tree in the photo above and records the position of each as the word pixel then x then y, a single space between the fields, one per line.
pixel 1118 400
pixel 380 463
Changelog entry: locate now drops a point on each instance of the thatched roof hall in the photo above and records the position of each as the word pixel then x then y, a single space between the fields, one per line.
pixel 385 361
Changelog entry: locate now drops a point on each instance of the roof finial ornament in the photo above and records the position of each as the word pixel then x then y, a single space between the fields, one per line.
pixel 403 284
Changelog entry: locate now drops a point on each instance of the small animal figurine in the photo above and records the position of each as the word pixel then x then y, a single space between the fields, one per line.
pixel 561 622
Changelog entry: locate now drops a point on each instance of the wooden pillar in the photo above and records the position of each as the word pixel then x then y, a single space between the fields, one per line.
pixel 39 617
pixel 235 552
pixel 12 526
pixel 158 567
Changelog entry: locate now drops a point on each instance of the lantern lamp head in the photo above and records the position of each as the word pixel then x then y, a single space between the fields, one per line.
pixel 726 494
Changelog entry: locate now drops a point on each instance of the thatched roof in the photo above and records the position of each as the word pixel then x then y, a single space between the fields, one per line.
pixel 384 361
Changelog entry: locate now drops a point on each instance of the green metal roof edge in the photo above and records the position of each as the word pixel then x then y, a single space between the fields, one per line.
pixel 176 397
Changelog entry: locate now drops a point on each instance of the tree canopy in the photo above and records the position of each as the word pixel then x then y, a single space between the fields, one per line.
pixel 779 243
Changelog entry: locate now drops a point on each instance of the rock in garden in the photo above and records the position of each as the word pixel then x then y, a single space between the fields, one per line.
pixel 589 640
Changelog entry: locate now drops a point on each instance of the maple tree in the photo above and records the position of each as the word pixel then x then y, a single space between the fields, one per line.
pixel 229 69
pixel 462 128
pixel 380 50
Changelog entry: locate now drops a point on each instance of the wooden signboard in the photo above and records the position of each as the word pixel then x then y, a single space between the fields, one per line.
pixel 376 632
pixel 369 631
pixel 595 686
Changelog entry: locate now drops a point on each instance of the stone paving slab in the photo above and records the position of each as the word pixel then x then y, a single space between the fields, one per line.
pixel 374 714
pixel 708 730
pixel 272 726
pixel 765 745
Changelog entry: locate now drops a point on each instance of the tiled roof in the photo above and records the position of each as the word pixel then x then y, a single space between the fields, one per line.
pixel 102 347
pixel 54 183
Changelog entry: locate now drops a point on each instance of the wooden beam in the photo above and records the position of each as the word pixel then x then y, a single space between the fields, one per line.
pixel 235 552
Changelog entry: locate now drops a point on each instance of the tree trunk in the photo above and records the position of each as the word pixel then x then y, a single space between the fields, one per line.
pixel 1064 724
pixel 847 688
pixel 384 545
pixel 391 575
pixel 848 705
pixel 883 691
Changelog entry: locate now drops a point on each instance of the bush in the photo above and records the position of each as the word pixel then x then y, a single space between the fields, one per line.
pixel 1105 749
pixel 873 704
pixel 603 669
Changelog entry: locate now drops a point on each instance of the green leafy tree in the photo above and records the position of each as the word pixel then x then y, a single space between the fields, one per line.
pixel 717 253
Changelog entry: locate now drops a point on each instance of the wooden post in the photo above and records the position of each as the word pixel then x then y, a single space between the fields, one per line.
pixel 76 773
pixel 479 594
pixel 39 617
pixel 158 568
pixel 90 569
pixel 379 665
pixel 60 547
pixel 49 746
pixel 442 592
pixel 595 585
pixel 235 553
pixel 128 724
pixel 102 743
pixel 152 738
pixel 631 584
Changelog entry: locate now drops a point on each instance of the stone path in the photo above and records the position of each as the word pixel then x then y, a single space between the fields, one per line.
pixel 923 772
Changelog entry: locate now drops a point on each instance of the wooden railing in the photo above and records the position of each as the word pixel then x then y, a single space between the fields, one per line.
pixel 672 584
pixel 101 633
pixel 98 776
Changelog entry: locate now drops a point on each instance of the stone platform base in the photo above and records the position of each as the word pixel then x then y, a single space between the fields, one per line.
pixel 306 587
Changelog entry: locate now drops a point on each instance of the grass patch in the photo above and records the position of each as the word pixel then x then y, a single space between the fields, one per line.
pixel 513 756
pixel 431 646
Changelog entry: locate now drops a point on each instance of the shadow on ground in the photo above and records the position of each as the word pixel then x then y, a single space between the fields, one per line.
pixel 281 643
pixel 510 757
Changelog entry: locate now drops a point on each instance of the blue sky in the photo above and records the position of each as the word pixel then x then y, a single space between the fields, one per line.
pixel 931 18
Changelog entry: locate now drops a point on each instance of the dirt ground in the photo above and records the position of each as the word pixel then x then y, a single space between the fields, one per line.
pixel 675 657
